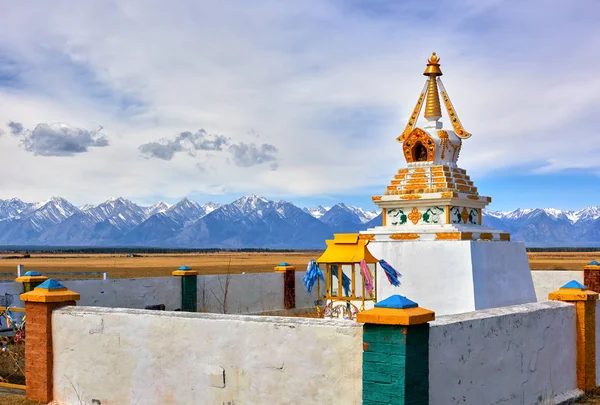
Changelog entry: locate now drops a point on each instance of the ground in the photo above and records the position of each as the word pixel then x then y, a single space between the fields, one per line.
pixel 161 265
pixel 156 265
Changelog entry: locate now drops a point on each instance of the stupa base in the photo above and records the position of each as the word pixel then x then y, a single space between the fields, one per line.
pixel 456 276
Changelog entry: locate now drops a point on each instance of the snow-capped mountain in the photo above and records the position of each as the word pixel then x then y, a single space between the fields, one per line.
pixel 119 212
pixel 250 221
pixel 317 211
pixel 585 214
pixel 254 221
pixel 13 208
pixel 51 212
pixel 363 216
pixel 155 208
pixel 185 212
pixel 210 207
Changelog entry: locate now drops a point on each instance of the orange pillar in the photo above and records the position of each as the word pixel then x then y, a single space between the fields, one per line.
pixel 585 319
pixel 39 305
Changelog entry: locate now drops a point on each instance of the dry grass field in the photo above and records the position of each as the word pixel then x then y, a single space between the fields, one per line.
pixel 161 265
pixel 561 260
pixel 158 265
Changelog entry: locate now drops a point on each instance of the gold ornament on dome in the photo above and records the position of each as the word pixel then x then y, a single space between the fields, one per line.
pixel 415 215
pixel 414 116
pixel 404 236
pixel 456 124
pixel 419 147
pixel 366 236
pixel 376 198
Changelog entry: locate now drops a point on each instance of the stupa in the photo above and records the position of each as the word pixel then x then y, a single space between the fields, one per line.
pixel 431 229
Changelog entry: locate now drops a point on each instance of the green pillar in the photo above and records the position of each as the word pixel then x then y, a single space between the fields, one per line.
pixel 396 353
pixel 189 288
pixel 30 280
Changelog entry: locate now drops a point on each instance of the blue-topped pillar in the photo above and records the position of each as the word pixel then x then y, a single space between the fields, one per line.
pixel 30 280
pixel 289 284
pixel 396 352
pixel 189 288
pixel 591 275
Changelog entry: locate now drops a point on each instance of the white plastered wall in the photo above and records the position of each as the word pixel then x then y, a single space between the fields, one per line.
pixel 452 277
pixel 124 356
pixel 523 354
pixel 547 281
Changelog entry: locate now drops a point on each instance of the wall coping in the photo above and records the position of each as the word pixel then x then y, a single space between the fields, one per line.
pixel 497 312
pixel 277 320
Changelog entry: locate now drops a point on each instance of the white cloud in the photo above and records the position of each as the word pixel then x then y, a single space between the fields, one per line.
pixel 522 78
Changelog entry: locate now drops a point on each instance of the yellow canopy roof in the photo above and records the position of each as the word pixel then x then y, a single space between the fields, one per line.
pixel 346 248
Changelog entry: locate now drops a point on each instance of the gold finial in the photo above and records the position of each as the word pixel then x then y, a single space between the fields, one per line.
pixel 433 66
pixel 433 111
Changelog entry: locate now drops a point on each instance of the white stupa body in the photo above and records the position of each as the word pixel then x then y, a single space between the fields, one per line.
pixel 431 230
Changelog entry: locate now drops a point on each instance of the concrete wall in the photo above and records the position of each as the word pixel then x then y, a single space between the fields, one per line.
pixel 125 356
pixel 452 277
pixel 9 293
pixel 117 292
pixel 247 293
pixel 546 281
pixel 524 354
pixel 240 293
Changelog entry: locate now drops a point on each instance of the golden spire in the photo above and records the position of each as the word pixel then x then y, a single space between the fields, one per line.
pixel 433 110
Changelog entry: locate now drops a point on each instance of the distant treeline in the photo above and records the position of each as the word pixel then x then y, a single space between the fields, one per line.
pixel 134 250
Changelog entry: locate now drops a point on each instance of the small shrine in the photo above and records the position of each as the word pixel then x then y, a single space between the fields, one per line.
pixel 432 229
pixel 350 270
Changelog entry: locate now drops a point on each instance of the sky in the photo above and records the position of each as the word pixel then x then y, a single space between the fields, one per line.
pixel 302 101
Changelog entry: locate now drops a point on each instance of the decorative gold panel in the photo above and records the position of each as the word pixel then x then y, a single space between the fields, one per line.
pixel 404 236
pixel 447 236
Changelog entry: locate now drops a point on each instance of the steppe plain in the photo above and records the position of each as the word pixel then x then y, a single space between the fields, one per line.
pixel 161 265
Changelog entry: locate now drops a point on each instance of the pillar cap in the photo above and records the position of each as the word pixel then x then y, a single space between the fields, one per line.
pixel 185 271
pixel 50 291
pixel 396 310
pixel 30 278
pixel 573 291
pixel 284 266
pixel 593 265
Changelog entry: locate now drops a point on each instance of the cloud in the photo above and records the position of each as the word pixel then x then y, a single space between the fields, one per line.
pixel 184 142
pixel 57 139
pixel 330 84
pixel 242 154
pixel 246 155
pixel 16 128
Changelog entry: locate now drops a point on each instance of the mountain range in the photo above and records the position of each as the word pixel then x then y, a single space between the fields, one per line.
pixel 250 221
